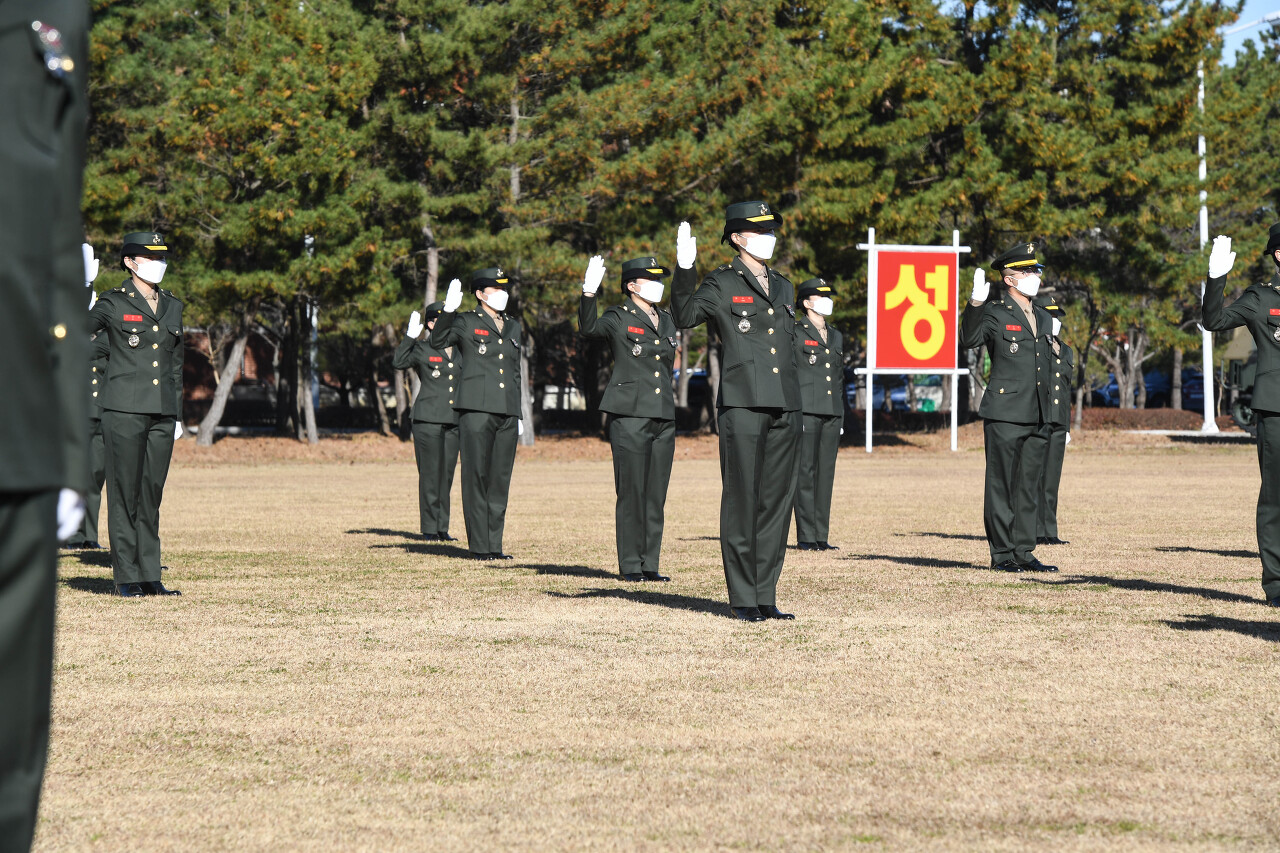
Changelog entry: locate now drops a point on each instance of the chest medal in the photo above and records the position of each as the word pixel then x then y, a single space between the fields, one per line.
pixel 482 349
pixel 813 358
pixel 635 350
pixel 134 340
pixel 1013 347
pixel 744 325
pixel 1277 333
pixel 435 374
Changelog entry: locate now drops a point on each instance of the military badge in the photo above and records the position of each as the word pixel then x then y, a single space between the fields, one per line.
pixel 134 340
pixel 482 349
pixel 635 350
pixel 744 325
pixel 672 340
pixel 813 359
pixel 435 374
pixel 1277 334
pixel 1013 347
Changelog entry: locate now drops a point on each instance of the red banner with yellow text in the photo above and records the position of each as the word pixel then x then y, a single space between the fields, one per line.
pixel 916 316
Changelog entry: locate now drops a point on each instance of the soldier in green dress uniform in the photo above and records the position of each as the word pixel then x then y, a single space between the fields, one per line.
pixel 87 538
pixel 1258 308
pixel 141 408
pixel 641 407
pixel 820 362
pixel 44 343
pixel 435 423
pixel 1017 405
pixel 1064 366
pixel 487 402
pixel 758 401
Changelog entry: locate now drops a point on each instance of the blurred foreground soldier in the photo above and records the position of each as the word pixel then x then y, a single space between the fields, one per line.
pixel 640 404
pixel 1064 366
pixel 487 402
pixel 1258 308
pixel 820 362
pixel 87 537
pixel 141 408
pixel 435 423
pixel 753 307
pixel 44 350
pixel 1017 405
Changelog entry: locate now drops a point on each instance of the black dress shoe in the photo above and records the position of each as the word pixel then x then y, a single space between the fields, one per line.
pixel 1009 566
pixel 478 555
pixel 1042 540
pixel 654 576
pixel 1273 602
pixel 632 577
pixel 91 546
pixel 1054 540
pixel 748 614
pixel 827 546
pixel 1034 565
pixel 130 590
pixel 430 537
pixel 498 555
pixel 769 611
pixel 807 546
pixel 157 588
pixel 445 537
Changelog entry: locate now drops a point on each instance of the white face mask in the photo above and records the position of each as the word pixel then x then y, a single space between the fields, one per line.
pixel 1028 285
pixel 760 245
pixel 497 301
pixel 651 291
pixel 149 271
pixel 823 305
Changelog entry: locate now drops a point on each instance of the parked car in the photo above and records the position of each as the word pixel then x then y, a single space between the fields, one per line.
pixel 928 391
pixel 1159 390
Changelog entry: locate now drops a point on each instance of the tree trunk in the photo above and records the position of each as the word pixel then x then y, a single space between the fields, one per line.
pixel 398 380
pixel 526 395
pixel 287 376
pixel 713 381
pixel 305 376
pixel 384 423
pixel 433 262
pixel 230 371
pixel 1175 395
pixel 682 383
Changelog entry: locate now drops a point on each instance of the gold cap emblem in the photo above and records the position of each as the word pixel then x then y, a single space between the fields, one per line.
pixel 155 238
pixel 764 208
pixel 1031 249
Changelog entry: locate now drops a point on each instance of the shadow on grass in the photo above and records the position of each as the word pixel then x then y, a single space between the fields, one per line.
pixel 564 571
pixel 1139 585
pixel 1185 549
pixel 699 539
pixel 96 586
pixel 661 599
pixel 968 537
pixel 1269 631
pixel 383 531
pixel 921 562
pixel 432 549
pixel 100 558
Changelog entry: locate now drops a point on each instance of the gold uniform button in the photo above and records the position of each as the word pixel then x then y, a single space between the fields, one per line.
pixel 775 370
pixel 828 364
pixel 499 358
pixel 500 370
pixel 770 310
pixel 656 357
pixel 155 381
pixel 499 340
pixel 450 402
pixel 450 391
pixel 1001 390
pixel 772 351
pixel 155 346
pixel 451 365
pixel 502 385
pixel 450 375
pixel 657 373
pixel 59 331
pixel 657 390
pixel 155 364
pixel 827 351
pixel 95 382
pixel 1055 402
pixel 656 341
pixel 155 328
pixel 95 393
pixel 1055 387
pixel 771 331
pixel 1059 361
pixel 94 369
pixel 828 393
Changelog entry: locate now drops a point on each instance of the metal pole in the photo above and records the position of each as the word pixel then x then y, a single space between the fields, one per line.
pixel 871 327
pixel 1206 337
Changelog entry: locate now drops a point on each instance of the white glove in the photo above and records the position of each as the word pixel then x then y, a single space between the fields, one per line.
pixel 177 430
pixel 595 275
pixel 453 298
pixel 1221 258
pixel 93 299
pixel 70 513
pixel 415 325
pixel 90 264
pixel 1057 326
pixel 1068 441
pixel 981 290
pixel 519 428
pixel 842 430
pixel 686 246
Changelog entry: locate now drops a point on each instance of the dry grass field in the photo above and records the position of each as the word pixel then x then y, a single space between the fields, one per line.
pixel 329 682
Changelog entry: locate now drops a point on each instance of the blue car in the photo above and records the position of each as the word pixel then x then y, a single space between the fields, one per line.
pixel 1159 390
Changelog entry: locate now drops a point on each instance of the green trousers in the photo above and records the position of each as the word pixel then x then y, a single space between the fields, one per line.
pixel 819 445
pixel 1047 517
pixel 28 579
pixel 643 449
pixel 435 447
pixel 1269 501
pixel 1011 501
pixel 138 451
pixel 758 488
pixel 488 446
pixel 93 500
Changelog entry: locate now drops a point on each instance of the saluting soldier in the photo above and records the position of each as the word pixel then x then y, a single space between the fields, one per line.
pixel 820 362
pixel 1258 308
pixel 487 402
pixel 44 347
pixel 141 408
pixel 435 423
pixel 1064 367
pixel 1017 405
pixel 758 402
pixel 641 407
pixel 87 538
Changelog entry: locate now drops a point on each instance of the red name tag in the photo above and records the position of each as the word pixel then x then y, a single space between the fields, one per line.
pixel 482 332
pixel 133 318
pixel 1013 328
pixel 1275 312
pixel 812 344
pixel 633 330
pixel 747 299
pixel 435 358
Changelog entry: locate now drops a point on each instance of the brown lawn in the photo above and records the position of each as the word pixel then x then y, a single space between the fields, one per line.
pixel 329 682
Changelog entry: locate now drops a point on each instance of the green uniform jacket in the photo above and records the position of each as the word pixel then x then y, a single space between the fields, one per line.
pixel 1259 309
pixel 98 373
pixel 44 421
pixel 439 373
pixel 490 360
pixel 1018 390
pixel 1064 371
pixel 821 368
pixel 146 352
pixel 643 358
pixel 759 369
